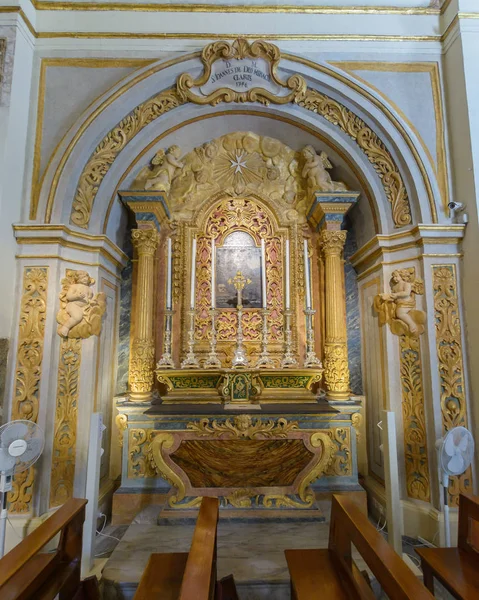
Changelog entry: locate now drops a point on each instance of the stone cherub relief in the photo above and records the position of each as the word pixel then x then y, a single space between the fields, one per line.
pixel 240 164
pixel 164 166
pixel 315 171
pixel 81 310
pixel 398 308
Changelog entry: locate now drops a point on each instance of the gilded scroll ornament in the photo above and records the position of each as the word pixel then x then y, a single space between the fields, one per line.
pixel 398 308
pixel 112 144
pixel 356 422
pixel 318 439
pixel 310 99
pixel 25 404
pixel 139 465
pixel 451 362
pixel 369 143
pixel 121 421
pixel 81 310
pixel 165 440
pixel 65 430
pixel 341 462
pixel 243 426
pixel 241 49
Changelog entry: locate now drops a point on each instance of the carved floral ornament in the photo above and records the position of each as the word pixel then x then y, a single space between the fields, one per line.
pixel 239 55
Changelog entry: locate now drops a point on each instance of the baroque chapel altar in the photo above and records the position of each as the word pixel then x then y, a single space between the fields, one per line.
pixel 239 375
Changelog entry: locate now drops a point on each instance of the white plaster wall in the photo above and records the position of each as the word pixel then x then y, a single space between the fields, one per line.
pixel 462 96
pixel 14 117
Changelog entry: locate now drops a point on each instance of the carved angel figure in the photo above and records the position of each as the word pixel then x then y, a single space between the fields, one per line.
pixel 398 308
pixel 164 167
pixel 316 174
pixel 80 310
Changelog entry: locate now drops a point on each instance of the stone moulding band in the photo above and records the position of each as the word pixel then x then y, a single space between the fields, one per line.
pixel 310 99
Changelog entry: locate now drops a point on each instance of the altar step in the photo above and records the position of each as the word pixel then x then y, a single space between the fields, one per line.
pixel 252 551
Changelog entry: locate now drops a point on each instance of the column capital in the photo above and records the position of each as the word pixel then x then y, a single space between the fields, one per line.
pixel 148 207
pixel 332 242
pixel 145 241
pixel 328 209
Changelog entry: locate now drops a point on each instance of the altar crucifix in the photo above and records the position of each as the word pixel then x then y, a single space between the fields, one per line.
pixel 239 282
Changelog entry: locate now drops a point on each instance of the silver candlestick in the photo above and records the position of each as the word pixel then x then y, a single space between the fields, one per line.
pixel 264 360
pixel 213 361
pixel 240 358
pixel 190 360
pixel 166 361
pixel 311 360
pixel 288 359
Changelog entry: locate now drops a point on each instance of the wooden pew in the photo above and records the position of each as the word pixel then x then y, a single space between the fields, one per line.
pixel 188 576
pixel 457 568
pixel 331 573
pixel 26 573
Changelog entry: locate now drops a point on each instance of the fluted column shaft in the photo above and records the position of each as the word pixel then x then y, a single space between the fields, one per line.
pixel 142 363
pixel 336 369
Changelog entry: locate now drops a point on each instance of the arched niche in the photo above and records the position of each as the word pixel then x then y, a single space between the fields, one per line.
pixel 86 140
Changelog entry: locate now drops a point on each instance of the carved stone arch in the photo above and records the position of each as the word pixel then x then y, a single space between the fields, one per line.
pixel 103 155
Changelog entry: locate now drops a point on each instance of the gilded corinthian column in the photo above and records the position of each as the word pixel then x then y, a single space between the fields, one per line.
pixel 142 363
pixel 336 369
pixel 326 213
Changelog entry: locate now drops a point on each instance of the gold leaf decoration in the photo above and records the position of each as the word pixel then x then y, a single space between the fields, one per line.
pixel 243 426
pixel 240 49
pixel 341 463
pixel 310 99
pixel 229 215
pixel 369 143
pixel 451 364
pixel 65 431
pixel 28 371
pixel 109 148
pixel 414 422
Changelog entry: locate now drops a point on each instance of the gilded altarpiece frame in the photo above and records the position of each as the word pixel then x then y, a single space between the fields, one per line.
pixel 223 217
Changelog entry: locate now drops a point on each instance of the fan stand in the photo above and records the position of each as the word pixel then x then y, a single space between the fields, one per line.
pixel 5 487
pixel 447 524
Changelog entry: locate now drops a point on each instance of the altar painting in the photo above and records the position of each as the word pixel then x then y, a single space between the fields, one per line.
pixel 238 253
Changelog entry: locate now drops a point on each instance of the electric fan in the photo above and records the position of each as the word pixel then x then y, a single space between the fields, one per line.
pixel 455 452
pixel 21 443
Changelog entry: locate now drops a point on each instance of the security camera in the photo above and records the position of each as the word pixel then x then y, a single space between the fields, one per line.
pixel 455 206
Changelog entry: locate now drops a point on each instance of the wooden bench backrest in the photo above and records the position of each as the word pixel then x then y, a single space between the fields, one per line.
pixel 468 527
pixel 23 571
pixel 199 579
pixel 350 526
